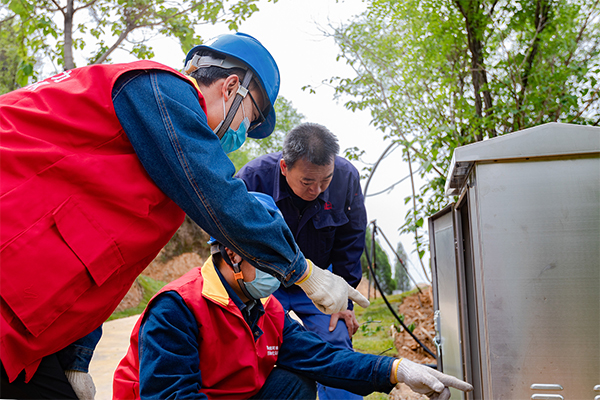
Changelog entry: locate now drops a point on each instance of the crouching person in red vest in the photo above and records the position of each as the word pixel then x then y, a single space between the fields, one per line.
pixel 217 332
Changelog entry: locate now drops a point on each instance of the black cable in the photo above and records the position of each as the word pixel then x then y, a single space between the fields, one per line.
pixel 399 258
pixel 392 309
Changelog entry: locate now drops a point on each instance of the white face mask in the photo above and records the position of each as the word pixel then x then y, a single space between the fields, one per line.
pixel 262 286
pixel 233 140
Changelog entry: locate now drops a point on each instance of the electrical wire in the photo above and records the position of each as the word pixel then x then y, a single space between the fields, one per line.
pixel 369 264
pixel 397 256
pixel 392 186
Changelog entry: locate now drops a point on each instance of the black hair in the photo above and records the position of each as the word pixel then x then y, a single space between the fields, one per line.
pixel 209 75
pixel 312 142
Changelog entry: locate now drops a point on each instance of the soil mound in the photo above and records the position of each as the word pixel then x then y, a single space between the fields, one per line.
pixel 174 268
pixel 418 310
pixel 161 271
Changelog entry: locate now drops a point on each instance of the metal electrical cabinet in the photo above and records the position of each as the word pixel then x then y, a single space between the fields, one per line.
pixel 516 265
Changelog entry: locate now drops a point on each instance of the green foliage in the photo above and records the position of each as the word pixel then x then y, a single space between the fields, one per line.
pixel 96 28
pixel 9 58
pixel 377 396
pixel 383 270
pixel 375 321
pixel 16 63
pixel 438 74
pixel 373 335
pixel 240 157
pixel 400 274
pixel 287 118
pixel 150 287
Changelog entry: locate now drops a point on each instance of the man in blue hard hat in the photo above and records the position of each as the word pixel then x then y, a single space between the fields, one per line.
pixel 100 166
pixel 217 333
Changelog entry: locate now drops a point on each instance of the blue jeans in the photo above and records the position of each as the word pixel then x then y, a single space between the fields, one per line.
pixel 295 299
pixel 78 355
pixel 169 132
pixel 284 384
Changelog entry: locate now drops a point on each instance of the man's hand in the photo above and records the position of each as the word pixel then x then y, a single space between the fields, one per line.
pixel 348 317
pixel 82 384
pixel 427 381
pixel 329 292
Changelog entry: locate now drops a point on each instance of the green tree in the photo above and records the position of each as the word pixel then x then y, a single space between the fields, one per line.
pixel 438 74
pixel 14 72
pixel 287 118
pixel 54 30
pixel 383 271
pixel 400 269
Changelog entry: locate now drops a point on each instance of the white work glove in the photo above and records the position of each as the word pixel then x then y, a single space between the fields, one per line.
pixel 428 381
pixel 329 292
pixel 82 383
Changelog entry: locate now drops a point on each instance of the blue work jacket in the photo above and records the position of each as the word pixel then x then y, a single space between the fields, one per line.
pixel 331 230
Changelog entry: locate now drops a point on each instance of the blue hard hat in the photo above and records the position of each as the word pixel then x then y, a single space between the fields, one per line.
pixel 266 200
pixel 252 53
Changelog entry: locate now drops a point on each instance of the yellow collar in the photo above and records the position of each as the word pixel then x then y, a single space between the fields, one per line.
pixel 194 82
pixel 213 287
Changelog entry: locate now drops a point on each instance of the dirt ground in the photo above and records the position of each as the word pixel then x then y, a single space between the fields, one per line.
pixel 417 308
pixel 159 271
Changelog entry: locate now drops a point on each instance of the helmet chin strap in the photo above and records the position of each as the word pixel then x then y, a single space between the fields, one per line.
pixel 240 96
pixel 237 272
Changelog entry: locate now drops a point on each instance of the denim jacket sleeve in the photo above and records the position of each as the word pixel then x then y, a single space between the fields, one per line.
pixel 304 352
pixel 168 350
pixel 78 355
pixel 168 129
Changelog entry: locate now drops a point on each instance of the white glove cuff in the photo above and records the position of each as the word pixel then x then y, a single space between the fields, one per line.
pixel 315 279
pixel 82 384
pixel 401 371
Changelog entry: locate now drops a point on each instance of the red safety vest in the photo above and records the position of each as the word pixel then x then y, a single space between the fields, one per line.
pixel 81 218
pixel 232 365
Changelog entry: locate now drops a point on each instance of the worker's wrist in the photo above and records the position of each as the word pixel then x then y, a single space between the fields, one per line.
pixel 307 273
pixel 394 372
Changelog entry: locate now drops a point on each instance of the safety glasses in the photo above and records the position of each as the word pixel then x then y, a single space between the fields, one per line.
pixel 260 119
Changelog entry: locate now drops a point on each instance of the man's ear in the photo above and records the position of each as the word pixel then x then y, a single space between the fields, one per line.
pixel 230 86
pixel 236 259
pixel 283 167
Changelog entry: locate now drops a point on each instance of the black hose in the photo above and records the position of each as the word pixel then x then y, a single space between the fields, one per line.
pixel 392 309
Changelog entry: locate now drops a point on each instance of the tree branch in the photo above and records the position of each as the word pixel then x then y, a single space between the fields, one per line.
pixel 472 17
pixel 383 97
pixel 580 35
pixel 132 24
pixel 58 8
pixel 542 12
pixel 414 199
pixel 589 103
pixel 89 4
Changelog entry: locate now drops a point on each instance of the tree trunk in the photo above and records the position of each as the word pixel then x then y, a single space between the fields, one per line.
pixel 68 45
pixel 542 11
pixel 474 23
